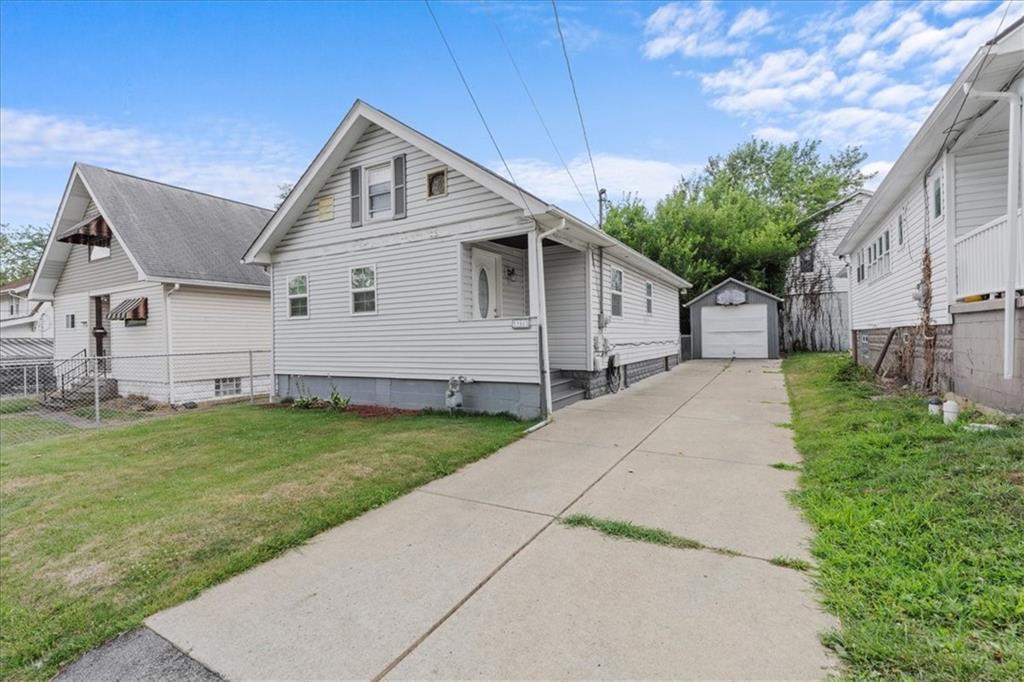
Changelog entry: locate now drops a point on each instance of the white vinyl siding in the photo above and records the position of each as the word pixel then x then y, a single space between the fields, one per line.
pixel 565 288
pixel 636 335
pixel 888 301
pixel 830 232
pixel 465 201
pixel 980 185
pixel 418 332
pixel 210 320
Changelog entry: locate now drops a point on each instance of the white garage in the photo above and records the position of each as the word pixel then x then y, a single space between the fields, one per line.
pixel 735 320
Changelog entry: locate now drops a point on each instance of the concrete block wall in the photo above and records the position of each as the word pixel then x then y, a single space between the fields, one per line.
pixel 978 356
pixel 595 384
pixel 870 342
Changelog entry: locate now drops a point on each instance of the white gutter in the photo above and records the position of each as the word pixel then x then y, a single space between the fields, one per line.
pixel 1012 220
pixel 542 315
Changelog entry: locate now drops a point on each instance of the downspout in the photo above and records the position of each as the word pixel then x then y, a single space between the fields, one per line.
pixel 168 344
pixel 542 313
pixel 1012 222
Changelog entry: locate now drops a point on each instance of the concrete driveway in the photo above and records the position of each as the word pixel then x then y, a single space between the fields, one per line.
pixel 473 576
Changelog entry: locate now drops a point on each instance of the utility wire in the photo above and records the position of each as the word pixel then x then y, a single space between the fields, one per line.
pixel 977 72
pixel 579 108
pixel 540 117
pixel 479 113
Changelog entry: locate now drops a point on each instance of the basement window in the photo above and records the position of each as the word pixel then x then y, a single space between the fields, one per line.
pixel 227 386
pixel 616 289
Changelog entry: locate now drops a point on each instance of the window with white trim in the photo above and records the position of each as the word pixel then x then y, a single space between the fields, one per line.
pixel 298 296
pixel 937 198
pixel 878 256
pixel 227 386
pixel 378 192
pixel 363 282
pixel 649 297
pixel 97 252
pixel 616 293
pixel 69 321
pixel 900 224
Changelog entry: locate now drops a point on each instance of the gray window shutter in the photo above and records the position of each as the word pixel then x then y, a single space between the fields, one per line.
pixel 399 172
pixel 355 176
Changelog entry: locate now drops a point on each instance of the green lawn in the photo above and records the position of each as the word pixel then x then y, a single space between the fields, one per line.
pixel 920 529
pixel 100 529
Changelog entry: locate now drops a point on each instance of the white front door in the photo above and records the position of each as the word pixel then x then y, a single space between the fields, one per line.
pixel 734 331
pixel 486 285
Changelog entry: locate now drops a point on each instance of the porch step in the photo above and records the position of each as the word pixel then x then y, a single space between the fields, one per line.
pixel 566 399
pixel 563 391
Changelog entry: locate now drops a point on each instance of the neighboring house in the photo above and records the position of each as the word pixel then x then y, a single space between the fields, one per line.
pixel 398 264
pixel 936 256
pixel 816 316
pixel 136 270
pixel 21 318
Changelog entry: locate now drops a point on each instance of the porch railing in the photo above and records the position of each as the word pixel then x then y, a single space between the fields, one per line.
pixel 981 259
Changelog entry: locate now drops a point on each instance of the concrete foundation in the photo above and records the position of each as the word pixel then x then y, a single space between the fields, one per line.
pixel 521 400
pixel 978 356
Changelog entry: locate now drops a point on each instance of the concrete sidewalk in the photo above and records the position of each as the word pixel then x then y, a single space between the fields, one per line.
pixel 472 576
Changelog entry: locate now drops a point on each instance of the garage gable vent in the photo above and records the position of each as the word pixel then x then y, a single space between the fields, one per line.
pixel 731 296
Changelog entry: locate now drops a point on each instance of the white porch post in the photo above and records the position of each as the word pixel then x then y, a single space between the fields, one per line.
pixel 538 310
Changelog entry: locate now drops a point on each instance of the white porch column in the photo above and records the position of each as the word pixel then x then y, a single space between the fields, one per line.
pixel 538 310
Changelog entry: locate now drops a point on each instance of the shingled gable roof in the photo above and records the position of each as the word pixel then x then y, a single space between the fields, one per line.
pixel 351 128
pixel 170 233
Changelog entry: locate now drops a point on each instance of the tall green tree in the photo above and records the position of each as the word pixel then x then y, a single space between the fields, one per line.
pixel 20 250
pixel 742 215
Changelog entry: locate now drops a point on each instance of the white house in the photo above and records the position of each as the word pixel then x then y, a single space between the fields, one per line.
pixel 20 317
pixel 936 256
pixel 397 265
pixel 137 270
pixel 816 316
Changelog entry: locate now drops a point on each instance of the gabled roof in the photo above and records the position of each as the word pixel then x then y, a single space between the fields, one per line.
pixel 17 284
pixel 994 67
pixel 170 234
pixel 836 205
pixel 731 280
pixel 355 123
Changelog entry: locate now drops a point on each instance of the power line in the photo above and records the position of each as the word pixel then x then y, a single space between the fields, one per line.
pixel 579 108
pixel 479 113
pixel 540 117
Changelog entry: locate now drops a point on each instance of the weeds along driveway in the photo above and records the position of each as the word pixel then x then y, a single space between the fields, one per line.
pixel 476 576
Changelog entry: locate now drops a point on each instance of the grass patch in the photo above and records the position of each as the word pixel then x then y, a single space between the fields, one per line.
pixel 631 531
pixel 13 405
pixel 791 562
pixel 103 528
pixel 785 466
pixel 17 429
pixel 920 528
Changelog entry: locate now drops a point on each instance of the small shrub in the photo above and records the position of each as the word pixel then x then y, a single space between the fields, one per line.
pixel 849 371
pixel 337 401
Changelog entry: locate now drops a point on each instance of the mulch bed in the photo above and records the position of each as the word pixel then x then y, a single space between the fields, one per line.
pixel 361 410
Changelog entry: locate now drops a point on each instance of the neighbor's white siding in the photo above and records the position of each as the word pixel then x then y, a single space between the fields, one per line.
pixel 221 325
pixel 636 335
pixel 419 330
pixel 78 280
pixel 887 300
pixel 981 178
pixel 565 288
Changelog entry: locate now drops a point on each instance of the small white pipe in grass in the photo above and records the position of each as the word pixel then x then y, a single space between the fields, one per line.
pixel 538 426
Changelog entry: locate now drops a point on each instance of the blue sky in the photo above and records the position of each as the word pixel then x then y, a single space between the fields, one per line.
pixel 236 98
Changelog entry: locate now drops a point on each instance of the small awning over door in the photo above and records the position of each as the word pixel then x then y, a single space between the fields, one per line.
pixel 130 309
pixel 94 231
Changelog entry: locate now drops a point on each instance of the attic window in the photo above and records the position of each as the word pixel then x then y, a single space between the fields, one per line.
pixel 97 252
pixel 325 208
pixel 437 183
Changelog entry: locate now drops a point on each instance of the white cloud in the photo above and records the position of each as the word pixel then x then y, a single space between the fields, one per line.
pixel 27 208
pixel 751 21
pixel 649 179
pixel 230 158
pixel 858 125
pixel 773 134
pixel 877 168
pixel 773 82
pixel 898 96
pixel 691 30
pixel 954 8
pixel 851 44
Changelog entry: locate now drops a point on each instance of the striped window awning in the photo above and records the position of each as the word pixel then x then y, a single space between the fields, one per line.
pixel 130 309
pixel 94 231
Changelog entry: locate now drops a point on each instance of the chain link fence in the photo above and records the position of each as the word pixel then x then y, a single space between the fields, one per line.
pixel 45 397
